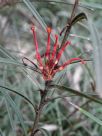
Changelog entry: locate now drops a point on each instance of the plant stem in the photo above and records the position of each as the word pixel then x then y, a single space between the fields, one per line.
pixel 39 109
pixel 69 22
pixel 7 2
pixel 36 121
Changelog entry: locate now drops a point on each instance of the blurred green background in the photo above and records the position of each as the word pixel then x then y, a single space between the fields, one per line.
pixel 59 118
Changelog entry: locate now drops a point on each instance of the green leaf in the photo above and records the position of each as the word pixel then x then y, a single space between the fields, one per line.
pixel 36 15
pixel 9 61
pixel 59 119
pixel 81 94
pixel 87 5
pixel 86 113
pixel 91 5
pixel 10 117
pixel 11 90
pixel 1 133
pixel 97 52
pixel 14 106
pixel 78 18
pixel 6 53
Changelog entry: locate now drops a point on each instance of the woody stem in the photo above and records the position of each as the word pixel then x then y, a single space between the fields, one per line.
pixel 39 109
pixel 69 22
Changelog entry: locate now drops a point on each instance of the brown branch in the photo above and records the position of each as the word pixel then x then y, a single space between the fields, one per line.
pixel 69 21
pixel 39 109
pixel 7 2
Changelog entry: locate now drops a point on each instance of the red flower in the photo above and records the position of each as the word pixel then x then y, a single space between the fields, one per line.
pixel 50 66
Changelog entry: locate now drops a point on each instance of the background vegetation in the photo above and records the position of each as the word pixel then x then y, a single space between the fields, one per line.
pixel 61 117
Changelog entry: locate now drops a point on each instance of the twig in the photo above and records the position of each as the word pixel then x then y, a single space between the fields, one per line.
pixel 7 2
pixel 39 109
pixel 69 21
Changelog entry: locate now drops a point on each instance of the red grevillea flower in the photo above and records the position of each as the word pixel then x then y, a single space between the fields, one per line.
pixel 49 65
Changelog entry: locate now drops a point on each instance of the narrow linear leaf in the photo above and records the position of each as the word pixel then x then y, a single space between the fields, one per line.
pixel 92 5
pixel 97 53
pixel 97 100
pixel 6 53
pixel 36 15
pixel 86 113
pixel 14 106
pixel 59 119
pixel 11 90
pixel 9 61
pixel 62 2
pixel 87 5
pixel 10 117
pixel 1 133
pixel 78 18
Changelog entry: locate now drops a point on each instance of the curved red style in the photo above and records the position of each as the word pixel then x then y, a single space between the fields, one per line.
pixel 50 66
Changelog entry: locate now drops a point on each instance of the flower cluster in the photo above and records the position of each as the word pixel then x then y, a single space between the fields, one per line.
pixel 48 63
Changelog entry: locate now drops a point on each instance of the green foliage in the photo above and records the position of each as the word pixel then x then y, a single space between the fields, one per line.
pixel 80 85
